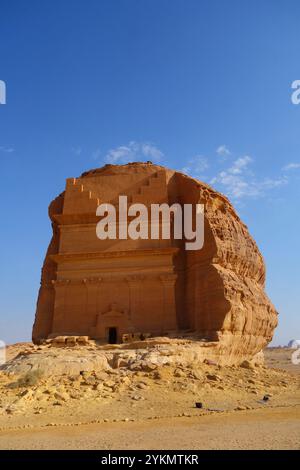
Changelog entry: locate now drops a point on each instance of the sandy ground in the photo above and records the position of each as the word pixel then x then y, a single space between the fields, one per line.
pixel 162 414
pixel 257 429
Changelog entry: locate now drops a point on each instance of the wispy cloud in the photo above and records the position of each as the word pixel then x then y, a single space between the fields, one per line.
pixel 271 183
pixel 134 151
pixel 240 165
pixel 76 151
pixel 238 181
pixel 291 166
pixel 7 149
pixel 237 178
pixel 96 154
pixel 151 151
pixel 196 166
pixel 223 151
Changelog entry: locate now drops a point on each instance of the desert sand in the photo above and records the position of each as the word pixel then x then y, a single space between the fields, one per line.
pixel 149 407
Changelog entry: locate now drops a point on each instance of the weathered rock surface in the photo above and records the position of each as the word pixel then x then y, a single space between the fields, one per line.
pixel 145 356
pixel 159 380
pixel 153 286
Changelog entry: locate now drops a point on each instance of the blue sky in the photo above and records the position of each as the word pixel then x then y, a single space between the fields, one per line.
pixel 198 85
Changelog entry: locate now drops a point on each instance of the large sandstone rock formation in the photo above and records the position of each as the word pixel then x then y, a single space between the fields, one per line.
pixel 108 288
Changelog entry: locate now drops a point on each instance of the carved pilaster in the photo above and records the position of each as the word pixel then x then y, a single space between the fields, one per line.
pixel 59 304
pixel 169 320
pixel 134 283
pixel 92 286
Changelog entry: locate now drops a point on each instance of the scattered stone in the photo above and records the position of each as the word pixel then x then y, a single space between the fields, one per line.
pixel 91 380
pixel 197 374
pixel 158 375
pixel 26 394
pixel 247 365
pixel 62 396
pixel 147 366
pixel 209 362
pixel 141 385
pixel 109 384
pixel 179 373
pixel 75 378
pixel 137 398
pixel 212 377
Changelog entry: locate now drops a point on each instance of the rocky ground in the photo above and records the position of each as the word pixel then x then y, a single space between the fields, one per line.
pixel 95 397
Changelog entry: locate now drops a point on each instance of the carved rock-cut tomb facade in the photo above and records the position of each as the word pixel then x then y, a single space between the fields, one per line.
pixel 109 288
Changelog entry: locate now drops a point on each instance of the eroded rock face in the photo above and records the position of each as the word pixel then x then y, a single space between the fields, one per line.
pixel 110 288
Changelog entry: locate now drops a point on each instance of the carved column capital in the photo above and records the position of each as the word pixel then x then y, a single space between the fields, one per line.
pixel 92 280
pixel 135 278
pixel 168 278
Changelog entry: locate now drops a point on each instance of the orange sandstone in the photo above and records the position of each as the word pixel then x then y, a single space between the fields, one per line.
pixel 109 288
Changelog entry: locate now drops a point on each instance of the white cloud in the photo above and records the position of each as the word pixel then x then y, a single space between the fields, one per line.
pixel 77 151
pixel 151 151
pixel 120 154
pixel 96 154
pixel 223 151
pixel 271 183
pixel 235 186
pixel 196 166
pixel 238 180
pixel 134 151
pixel 240 165
pixel 7 149
pixel 291 166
